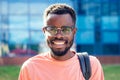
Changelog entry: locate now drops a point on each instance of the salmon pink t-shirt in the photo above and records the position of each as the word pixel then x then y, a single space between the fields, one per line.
pixel 44 67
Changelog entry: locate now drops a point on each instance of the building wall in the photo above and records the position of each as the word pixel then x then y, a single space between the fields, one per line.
pixel 20 60
pixel 98 26
pixel 21 23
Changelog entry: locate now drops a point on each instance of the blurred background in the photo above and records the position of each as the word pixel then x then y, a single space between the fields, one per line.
pixel 21 36
pixel 98 24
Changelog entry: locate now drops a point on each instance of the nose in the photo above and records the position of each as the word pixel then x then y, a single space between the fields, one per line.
pixel 59 34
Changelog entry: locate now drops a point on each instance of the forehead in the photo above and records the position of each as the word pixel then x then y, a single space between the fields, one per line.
pixel 59 20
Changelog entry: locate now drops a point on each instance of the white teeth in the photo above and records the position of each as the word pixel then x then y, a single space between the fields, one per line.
pixel 59 42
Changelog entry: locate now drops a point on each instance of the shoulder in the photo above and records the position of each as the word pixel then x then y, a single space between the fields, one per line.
pixel 96 69
pixel 94 60
pixel 36 59
pixel 95 64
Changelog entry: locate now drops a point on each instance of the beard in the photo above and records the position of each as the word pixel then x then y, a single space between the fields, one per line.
pixel 61 52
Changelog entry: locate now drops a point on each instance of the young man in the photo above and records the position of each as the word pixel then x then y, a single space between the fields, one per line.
pixel 60 63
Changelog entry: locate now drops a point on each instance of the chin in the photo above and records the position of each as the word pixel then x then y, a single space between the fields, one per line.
pixel 59 52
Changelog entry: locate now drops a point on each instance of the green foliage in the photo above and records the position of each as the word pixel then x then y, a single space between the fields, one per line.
pixel 9 72
pixel 111 72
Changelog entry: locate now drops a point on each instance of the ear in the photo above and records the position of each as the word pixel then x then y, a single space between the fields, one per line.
pixel 43 30
pixel 74 30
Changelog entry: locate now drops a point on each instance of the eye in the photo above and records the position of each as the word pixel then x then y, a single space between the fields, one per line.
pixel 66 30
pixel 52 30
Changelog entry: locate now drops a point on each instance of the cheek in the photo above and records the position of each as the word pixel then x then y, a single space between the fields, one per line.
pixel 48 39
pixel 71 38
pixel 47 35
pixel 48 42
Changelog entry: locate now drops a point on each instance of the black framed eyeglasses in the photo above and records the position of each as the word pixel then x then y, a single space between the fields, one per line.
pixel 65 30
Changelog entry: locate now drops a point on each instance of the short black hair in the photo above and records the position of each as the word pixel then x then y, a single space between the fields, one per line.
pixel 60 8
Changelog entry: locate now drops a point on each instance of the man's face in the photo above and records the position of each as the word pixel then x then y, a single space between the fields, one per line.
pixel 59 38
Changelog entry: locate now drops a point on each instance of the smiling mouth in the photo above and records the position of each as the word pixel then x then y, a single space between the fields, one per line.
pixel 59 42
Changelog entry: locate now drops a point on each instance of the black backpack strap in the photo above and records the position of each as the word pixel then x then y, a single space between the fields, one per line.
pixel 85 65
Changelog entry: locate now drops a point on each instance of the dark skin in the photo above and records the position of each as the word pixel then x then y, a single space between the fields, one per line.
pixel 59 42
